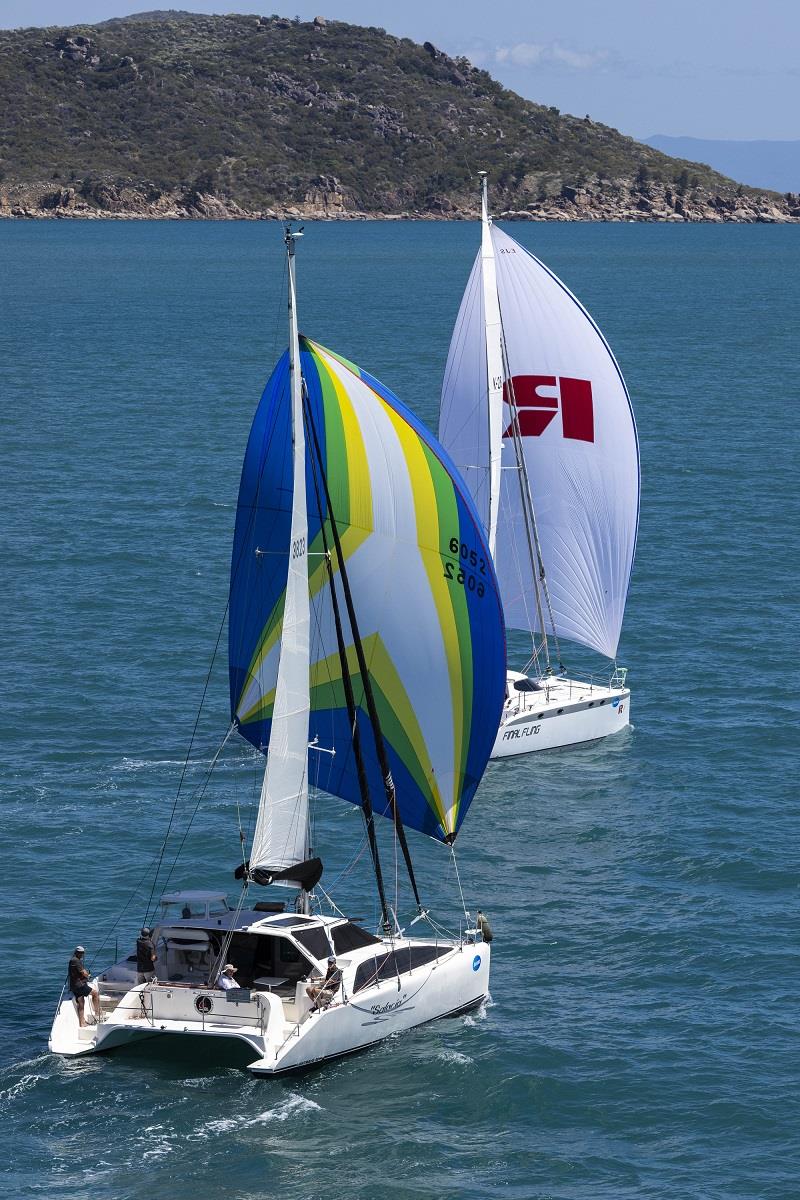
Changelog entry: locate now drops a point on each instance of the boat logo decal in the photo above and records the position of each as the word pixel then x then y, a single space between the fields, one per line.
pixel 476 962
pixel 535 411
pixel 379 1009
pixel 615 702
pixel 204 1004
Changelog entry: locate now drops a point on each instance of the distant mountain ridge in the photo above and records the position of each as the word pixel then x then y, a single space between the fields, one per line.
pixel 178 114
pixel 759 163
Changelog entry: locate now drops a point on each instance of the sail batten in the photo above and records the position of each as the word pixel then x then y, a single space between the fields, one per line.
pixel 424 589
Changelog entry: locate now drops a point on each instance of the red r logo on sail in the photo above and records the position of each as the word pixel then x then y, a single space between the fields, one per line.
pixel 538 397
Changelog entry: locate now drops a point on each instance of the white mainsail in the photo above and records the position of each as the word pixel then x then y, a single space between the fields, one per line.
pixel 579 439
pixel 281 834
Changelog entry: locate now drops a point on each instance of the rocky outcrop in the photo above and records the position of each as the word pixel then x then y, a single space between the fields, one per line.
pixel 328 199
pixel 629 200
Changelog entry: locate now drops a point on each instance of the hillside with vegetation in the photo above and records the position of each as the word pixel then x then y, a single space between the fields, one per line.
pixel 177 114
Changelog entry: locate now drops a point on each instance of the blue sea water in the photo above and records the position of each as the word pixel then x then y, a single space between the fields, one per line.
pixel 642 1039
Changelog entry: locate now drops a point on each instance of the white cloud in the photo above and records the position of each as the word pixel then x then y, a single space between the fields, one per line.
pixel 528 54
pixel 524 54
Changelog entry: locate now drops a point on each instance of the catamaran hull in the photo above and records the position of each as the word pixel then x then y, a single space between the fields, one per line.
pixel 569 714
pixel 453 984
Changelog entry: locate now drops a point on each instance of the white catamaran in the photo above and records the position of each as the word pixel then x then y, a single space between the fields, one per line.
pixel 346 516
pixel 536 416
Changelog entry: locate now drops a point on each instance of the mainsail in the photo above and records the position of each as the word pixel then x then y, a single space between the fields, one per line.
pixel 280 839
pixel 579 438
pixel 426 595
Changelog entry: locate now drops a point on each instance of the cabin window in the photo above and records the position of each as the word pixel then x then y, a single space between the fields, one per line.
pixel 314 940
pixel 350 937
pixel 388 966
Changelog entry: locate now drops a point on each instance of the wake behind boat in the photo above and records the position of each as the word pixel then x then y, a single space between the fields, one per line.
pixel 536 416
pixel 347 510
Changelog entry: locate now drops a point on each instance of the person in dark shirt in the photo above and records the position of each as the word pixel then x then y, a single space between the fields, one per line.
pixel 145 956
pixel 322 993
pixel 78 977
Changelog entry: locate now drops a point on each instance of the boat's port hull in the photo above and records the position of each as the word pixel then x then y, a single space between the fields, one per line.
pixel 565 712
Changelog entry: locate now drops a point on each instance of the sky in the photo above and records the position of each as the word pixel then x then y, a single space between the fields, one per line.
pixel 702 68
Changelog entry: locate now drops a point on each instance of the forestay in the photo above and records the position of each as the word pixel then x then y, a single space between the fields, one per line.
pixel 579 440
pixel 424 589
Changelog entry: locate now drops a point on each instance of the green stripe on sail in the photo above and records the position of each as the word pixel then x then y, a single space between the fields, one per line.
pixel 449 526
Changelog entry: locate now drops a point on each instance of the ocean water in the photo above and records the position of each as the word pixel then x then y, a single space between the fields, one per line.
pixel 642 1037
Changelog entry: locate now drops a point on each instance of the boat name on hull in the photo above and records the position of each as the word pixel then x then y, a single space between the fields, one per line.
pixel 524 731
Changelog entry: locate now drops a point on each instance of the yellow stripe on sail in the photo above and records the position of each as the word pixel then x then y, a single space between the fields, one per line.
pixel 398 719
pixel 344 448
pixel 426 512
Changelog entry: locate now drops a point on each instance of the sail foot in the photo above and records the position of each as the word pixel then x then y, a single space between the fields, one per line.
pixel 306 874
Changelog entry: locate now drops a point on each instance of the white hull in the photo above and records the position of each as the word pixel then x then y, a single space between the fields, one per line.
pixel 279 1040
pixel 563 712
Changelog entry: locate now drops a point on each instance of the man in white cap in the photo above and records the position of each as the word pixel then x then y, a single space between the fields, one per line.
pixel 79 985
pixel 226 980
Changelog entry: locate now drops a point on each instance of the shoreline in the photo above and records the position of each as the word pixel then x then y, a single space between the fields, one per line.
pixel 625 202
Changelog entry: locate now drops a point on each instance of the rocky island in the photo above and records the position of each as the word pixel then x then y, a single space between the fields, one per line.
pixel 178 115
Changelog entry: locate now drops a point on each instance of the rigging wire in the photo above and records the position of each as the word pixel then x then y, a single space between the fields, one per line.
pixel 458 881
pixel 199 793
pixel 186 763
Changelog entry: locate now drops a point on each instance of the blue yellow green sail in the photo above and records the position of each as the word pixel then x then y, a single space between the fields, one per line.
pixel 422 580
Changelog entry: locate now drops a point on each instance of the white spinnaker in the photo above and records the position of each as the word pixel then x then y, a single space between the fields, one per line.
pixel 281 834
pixel 464 411
pixel 583 467
pixel 585 493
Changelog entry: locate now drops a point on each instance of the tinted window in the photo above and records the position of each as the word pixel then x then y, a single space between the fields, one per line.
pixel 388 966
pixel 287 922
pixel 350 937
pixel 314 941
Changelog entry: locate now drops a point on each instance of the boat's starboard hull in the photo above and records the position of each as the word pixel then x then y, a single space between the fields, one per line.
pixel 566 712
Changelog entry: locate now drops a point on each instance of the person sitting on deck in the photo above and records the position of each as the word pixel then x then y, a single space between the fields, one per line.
pixel 322 993
pixel 226 980
pixel 79 985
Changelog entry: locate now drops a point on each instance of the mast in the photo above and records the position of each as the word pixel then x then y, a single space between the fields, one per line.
pixel 498 369
pixel 347 683
pixel 280 839
pixel 388 781
pixel 494 364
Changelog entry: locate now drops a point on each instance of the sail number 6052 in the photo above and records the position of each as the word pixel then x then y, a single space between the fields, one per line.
pixel 458 571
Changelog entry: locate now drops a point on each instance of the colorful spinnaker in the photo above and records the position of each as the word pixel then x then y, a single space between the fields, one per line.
pixel 425 593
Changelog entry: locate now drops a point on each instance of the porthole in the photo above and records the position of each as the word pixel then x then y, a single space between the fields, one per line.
pixel 558 714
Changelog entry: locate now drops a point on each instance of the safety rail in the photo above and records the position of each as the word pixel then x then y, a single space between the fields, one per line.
pixel 580 683
pixel 198 1006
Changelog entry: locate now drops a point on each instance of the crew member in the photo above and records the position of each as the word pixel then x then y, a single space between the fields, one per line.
pixel 145 956
pixel 79 985
pixel 226 980
pixel 323 992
